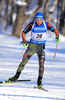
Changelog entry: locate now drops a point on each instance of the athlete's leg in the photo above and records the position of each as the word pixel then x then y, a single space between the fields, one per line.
pixel 26 57
pixel 29 52
pixel 41 57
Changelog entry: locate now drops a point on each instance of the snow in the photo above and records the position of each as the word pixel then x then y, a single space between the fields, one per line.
pixel 20 2
pixel 31 6
pixel 54 76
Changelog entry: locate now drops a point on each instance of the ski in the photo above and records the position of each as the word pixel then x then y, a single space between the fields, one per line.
pixel 4 82
pixel 40 88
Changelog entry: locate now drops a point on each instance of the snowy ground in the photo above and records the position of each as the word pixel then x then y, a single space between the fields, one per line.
pixel 54 76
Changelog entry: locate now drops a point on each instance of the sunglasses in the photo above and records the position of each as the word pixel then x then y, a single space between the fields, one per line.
pixel 38 19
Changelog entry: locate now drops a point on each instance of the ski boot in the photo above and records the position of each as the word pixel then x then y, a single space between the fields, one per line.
pixel 39 82
pixel 15 77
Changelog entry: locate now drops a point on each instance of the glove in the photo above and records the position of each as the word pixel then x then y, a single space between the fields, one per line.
pixel 57 39
pixel 25 45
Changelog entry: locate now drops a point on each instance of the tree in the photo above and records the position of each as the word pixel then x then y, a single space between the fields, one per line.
pixel 62 16
pixel 63 10
pixel 8 14
pixel 19 21
pixel 52 9
pixel 1 6
pixel 21 18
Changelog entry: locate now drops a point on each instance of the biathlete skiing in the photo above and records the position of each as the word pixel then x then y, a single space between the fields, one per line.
pixel 38 29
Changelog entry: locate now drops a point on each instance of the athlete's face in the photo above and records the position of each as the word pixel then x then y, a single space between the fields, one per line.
pixel 39 21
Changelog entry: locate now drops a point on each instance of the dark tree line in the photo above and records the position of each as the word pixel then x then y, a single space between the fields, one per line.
pixel 9 8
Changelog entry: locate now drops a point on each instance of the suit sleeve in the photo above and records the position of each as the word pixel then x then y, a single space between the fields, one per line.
pixel 52 29
pixel 26 30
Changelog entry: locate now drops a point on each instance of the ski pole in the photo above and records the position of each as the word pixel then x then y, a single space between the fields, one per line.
pixel 55 51
pixel 22 52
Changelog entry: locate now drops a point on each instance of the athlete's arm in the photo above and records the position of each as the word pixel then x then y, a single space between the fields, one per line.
pixel 26 30
pixel 52 29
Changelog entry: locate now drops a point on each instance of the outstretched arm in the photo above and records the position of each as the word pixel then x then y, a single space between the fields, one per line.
pixel 26 30
pixel 52 29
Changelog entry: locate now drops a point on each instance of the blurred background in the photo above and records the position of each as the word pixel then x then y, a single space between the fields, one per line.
pixel 18 13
